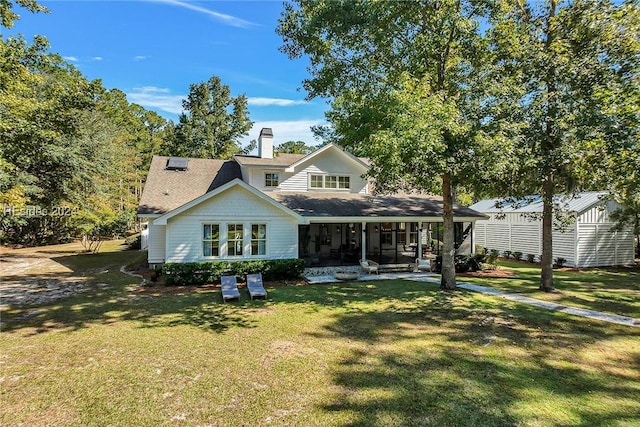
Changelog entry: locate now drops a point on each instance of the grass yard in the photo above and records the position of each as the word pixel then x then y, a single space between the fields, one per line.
pixel 366 354
pixel 612 290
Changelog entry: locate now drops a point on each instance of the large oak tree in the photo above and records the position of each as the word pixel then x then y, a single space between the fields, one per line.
pixel 212 124
pixel 571 70
pixel 402 78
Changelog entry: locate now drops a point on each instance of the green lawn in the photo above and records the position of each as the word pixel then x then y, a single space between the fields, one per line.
pixel 366 354
pixel 612 290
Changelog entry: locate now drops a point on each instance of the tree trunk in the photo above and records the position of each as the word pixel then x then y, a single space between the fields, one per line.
pixel 546 279
pixel 448 250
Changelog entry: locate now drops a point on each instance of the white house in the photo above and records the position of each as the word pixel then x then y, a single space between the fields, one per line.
pixel 316 206
pixel 585 240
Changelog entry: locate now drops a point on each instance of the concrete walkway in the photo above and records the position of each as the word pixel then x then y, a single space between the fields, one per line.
pixel 434 278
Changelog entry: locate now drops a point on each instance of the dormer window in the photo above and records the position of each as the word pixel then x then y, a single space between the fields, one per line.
pixel 329 182
pixel 271 180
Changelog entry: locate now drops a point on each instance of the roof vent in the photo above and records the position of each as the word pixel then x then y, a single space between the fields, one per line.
pixel 177 164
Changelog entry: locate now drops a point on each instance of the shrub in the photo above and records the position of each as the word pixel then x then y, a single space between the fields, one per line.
pixel 492 258
pixel 517 255
pixel 133 242
pixel 155 274
pixel 507 254
pixel 463 263
pixel 560 262
pixel 531 258
pixel 200 273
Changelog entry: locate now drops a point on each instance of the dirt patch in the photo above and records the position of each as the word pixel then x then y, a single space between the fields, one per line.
pixel 497 274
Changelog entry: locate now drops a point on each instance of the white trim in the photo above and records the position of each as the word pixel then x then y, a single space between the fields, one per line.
pixel 376 219
pixel 162 220
pixel 291 167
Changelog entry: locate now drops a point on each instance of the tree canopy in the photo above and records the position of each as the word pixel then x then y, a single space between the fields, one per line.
pixel 212 124
pixel 294 147
pixel 401 77
pixel 572 79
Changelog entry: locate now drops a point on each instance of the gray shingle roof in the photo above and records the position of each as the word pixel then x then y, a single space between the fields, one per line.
pixel 166 190
pixel 366 205
pixel 280 160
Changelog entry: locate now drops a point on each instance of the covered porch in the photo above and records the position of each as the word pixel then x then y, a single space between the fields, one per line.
pixel 396 242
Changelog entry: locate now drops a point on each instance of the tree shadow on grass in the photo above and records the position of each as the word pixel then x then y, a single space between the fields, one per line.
pixel 459 359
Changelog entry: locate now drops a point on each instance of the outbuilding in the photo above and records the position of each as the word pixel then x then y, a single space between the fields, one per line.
pixel 582 233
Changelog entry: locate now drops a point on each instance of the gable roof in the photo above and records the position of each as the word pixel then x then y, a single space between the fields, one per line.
pixel 290 161
pixel 360 162
pixel 166 190
pixel 321 204
pixel 237 182
pixel 578 203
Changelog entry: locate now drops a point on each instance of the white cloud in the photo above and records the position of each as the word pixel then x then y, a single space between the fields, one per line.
pixel 278 102
pixel 139 58
pixel 225 19
pixel 70 58
pixel 97 58
pixel 156 98
pixel 286 130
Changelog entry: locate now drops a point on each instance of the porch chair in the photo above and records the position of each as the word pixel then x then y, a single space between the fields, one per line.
pixel 229 287
pixel 255 286
pixel 423 264
pixel 369 267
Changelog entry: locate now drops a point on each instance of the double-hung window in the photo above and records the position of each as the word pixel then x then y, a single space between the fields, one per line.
pixel 235 239
pixel 211 240
pixel 258 239
pixel 330 182
pixel 271 179
pixel 344 182
pixel 317 181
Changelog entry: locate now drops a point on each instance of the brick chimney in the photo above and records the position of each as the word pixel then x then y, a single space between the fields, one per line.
pixel 265 143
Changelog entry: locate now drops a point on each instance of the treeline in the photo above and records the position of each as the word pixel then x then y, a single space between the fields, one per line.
pixel 73 154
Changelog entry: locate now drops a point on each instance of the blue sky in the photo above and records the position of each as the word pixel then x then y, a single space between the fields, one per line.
pixel 154 49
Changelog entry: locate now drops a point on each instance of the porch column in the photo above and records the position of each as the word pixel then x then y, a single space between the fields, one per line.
pixel 419 252
pixel 363 241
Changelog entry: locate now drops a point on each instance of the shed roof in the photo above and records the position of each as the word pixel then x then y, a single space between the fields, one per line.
pixel 578 203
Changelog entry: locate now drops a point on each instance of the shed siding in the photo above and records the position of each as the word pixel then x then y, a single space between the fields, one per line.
pixel 595 215
pixel 525 238
pixel 237 206
pixel 564 245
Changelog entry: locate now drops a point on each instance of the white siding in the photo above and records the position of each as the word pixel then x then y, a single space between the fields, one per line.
pixel 564 244
pixel 599 246
pixel 595 215
pixel 526 238
pixel 330 162
pixel 587 245
pixel 236 205
pixel 157 241
pixel 255 178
